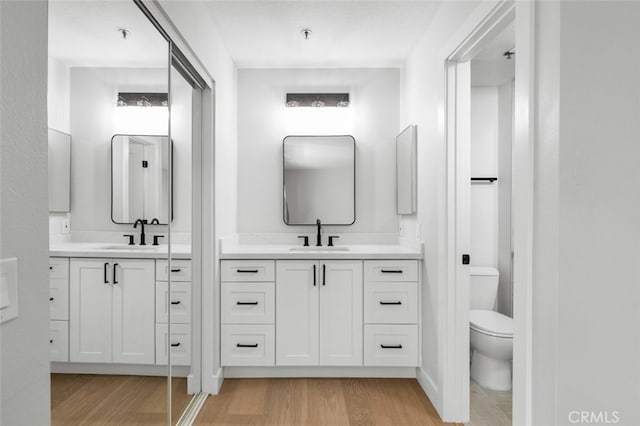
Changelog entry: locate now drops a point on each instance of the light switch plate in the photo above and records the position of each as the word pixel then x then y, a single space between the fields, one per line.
pixel 8 289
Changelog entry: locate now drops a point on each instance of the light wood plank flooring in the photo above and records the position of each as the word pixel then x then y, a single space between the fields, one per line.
pixel 82 399
pixel 319 402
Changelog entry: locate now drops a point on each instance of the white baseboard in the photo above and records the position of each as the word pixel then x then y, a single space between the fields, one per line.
pixel 117 369
pixel 430 389
pixel 212 383
pixel 379 372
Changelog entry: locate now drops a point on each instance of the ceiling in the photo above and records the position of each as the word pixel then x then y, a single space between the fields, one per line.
pixel 490 67
pixel 267 34
pixel 85 33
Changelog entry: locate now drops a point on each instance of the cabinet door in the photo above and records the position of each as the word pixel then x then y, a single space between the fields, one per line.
pixel 133 311
pixel 90 307
pixel 297 312
pixel 340 312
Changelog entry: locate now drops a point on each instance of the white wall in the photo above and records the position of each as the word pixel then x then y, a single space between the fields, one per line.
pixel 484 163
pixel 24 352
pixel 586 296
pixel 264 121
pixel 423 104
pixel 95 119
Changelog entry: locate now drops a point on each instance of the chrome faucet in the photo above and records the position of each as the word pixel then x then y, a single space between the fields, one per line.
pixel 319 235
pixel 142 222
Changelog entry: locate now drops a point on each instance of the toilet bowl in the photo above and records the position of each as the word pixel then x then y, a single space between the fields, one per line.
pixel 491 333
pixel 491 336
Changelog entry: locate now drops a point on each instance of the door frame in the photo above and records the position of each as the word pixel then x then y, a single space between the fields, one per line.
pixel 204 375
pixel 456 390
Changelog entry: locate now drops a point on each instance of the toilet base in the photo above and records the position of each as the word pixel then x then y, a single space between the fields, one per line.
pixel 490 373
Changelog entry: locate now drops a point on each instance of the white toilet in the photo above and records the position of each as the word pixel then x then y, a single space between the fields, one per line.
pixel 491 333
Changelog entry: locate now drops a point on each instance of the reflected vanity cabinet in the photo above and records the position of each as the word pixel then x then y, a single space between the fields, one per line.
pixel 319 313
pixel 115 311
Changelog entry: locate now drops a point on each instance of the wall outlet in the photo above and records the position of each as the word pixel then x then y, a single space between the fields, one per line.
pixel 65 226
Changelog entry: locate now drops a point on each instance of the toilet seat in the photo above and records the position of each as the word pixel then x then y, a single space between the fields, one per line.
pixel 491 323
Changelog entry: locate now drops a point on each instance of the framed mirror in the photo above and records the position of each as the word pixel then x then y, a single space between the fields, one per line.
pixel 319 180
pixel 59 146
pixel 406 186
pixel 140 178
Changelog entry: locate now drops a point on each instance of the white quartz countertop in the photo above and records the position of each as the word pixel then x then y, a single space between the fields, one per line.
pixel 111 250
pixel 283 251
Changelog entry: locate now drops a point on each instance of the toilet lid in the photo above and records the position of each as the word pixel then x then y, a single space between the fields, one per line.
pixel 491 322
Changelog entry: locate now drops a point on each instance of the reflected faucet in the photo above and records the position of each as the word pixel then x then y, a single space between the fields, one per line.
pixel 154 221
pixel 319 235
pixel 142 222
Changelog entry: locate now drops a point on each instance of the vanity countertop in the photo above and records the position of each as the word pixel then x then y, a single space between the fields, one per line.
pixel 283 251
pixel 86 249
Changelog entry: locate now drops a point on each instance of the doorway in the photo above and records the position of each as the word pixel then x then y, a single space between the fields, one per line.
pixel 459 187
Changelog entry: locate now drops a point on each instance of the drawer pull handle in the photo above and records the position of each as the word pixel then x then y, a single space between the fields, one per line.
pixel 246 303
pixel 51 299
pixel 391 346
pixel 243 345
pixel 391 271
pixel 176 270
pixel 247 271
pixel 397 302
pixel 175 302
pixel 175 345
pixel 50 268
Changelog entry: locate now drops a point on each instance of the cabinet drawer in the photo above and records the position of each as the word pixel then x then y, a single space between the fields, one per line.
pixel 59 299
pixel 391 270
pixel 180 302
pixel 391 345
pixel 395 302
pixel 248 345
pixel 59 268
pixel 180 344
pixel 59 341
pixel 247 270
pixel 180 270
pixel 248 303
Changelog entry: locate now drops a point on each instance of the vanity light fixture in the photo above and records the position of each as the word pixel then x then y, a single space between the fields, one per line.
pixel 142 99
pixel 317 100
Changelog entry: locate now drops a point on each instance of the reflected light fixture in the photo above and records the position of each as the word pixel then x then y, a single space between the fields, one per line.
pixel 317 100
pixel 142 99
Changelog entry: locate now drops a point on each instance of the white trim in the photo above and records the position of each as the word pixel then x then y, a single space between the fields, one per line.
pixel 523 205
pixel 429 386
pixel 116 369
pixel 313 371
pixel 456 330
pixel 216 381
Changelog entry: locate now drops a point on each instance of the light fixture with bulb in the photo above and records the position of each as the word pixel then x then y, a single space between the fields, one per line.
pixel 142 99
pixel 317 100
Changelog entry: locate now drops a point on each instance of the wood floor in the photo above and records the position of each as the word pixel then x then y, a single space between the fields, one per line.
pixel 299 402
pixel 81 399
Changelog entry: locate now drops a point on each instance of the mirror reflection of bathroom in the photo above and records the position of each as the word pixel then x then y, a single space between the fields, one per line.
pixel 109 208
pixel 490 281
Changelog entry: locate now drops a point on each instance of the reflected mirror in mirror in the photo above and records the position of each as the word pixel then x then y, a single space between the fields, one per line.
pixel 319 180
pixel 59 171
pixel 406 171
pixel 139 178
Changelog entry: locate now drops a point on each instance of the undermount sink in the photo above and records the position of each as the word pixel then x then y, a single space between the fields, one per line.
pixel 319 249
pixel 128 247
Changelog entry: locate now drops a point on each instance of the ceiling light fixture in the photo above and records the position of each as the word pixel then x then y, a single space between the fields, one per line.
pixel 306 32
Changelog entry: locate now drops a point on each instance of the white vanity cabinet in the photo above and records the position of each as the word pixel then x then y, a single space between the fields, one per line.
pixel 59 309
pixel 177 305
pixel 391 313
pixel 319 312
pixel 247 311
pixel 112 311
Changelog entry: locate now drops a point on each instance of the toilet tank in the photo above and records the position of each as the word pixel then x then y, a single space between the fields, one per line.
pixel 483 283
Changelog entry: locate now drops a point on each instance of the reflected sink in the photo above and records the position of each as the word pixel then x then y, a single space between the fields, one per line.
pixel 128 247
pixel 319 249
